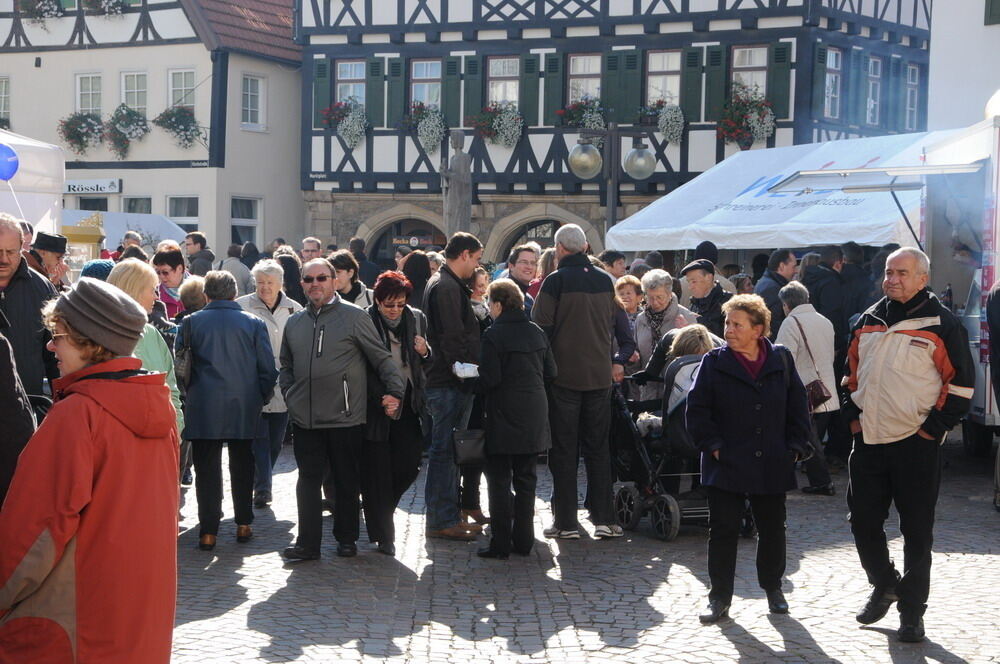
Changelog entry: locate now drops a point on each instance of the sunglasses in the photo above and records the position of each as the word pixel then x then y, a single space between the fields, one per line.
pixel 320 278
pixel 401 305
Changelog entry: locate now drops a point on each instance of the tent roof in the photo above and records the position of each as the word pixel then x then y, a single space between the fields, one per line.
pixel 731 204
pixel 41 167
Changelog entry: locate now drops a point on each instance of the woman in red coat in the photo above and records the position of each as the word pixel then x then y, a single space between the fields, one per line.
pixel 88 532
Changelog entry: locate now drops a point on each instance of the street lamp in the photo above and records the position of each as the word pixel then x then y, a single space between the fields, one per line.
pixel 586 161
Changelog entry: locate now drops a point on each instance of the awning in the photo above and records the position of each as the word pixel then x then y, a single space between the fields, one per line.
pixel 38 183
pixel 733 206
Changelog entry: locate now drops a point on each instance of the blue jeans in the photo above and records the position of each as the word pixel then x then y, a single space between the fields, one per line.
pixel 267 447
pixel 449 409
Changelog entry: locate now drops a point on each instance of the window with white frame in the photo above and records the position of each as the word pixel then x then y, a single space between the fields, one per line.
pixel 831 100
pixel 663 77
pixel 244 217
pixel 912 96
pixel 425 82
pixel 750 67
pixel 350 83
pixel 4 102
pixel 88 93
pixel 584 77
pixel 503 80
pixel 252 108
pixel 183 211
pixel 134 90
pixel 137 204
pixel 873 114
pixel 182 88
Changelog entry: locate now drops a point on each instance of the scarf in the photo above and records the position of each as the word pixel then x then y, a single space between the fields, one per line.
pixel 656 319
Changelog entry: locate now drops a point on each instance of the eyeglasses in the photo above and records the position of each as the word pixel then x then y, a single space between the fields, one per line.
pixel 528 263
pixel 386 305
pixel 320 278
pixel 165 273
pixel 55 337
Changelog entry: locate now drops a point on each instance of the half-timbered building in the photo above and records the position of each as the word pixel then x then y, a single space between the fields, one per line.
pixel 830 68
pixel 232 64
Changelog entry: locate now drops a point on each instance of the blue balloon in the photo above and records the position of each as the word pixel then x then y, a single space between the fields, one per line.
pixel 8 162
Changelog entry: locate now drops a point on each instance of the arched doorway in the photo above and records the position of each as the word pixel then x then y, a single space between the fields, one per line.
pixel 542 232
pixel 414 233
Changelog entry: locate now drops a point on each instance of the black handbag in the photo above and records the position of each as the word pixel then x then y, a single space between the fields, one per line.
pixel 183 360
pixel 470 447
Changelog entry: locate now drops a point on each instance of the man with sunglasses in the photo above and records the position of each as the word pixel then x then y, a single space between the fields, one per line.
pixel 323 378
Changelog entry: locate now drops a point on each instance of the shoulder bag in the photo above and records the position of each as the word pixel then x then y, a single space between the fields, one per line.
pixel 470 447
pixel 183 360
pixel 816 392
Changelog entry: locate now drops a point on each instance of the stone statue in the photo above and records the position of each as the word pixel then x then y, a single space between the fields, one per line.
pixel 456 186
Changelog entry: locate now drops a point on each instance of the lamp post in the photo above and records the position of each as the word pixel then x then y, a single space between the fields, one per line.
pixel 586 161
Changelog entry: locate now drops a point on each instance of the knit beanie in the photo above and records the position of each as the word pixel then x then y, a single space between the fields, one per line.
pixel 97 269
pixel 708 251
pixel 104 314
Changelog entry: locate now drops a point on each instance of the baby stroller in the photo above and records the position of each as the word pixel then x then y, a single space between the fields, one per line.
pixel 655 459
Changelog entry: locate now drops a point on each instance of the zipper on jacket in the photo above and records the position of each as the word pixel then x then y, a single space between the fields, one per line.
pixel 319 344
pixel 347 397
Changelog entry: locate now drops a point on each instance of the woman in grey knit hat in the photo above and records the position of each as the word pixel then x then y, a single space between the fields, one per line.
pixel 96 481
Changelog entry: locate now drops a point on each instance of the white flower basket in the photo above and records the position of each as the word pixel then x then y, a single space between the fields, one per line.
pixel 508 125
pixel 670 123
pixel 354 126
pixel 761 125
pixel 431 130
pixel 594 119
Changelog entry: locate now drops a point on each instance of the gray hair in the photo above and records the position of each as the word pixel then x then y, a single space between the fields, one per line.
pixel 436 258
pixel 572 238
pixel 11 225
pixel 269 267
pixel 220 285
pixel 793 294
pixel 923 262
pixel 132 235
pixel 657 279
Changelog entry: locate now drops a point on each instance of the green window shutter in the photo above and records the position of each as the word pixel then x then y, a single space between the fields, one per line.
pixel 611 76
pixel 396 99
pixel 473 84
pixel 691 84
pixel 856 104
pixel 716 82
pixel 321 89
pixel 779 79
pixel 451 91
pixel 375 91
pixel 819 81
pixel 527 89
pixel 554 87
pixel 630 86
pixel 992 12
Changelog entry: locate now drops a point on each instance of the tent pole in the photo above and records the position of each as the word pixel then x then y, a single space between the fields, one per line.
pixel 906 219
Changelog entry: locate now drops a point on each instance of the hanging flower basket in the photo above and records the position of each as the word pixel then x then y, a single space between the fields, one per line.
pixel 670 123
pixel 124 126
pixel 428 123
pixel 586 114
pixel 500 124
pixel 354 126
pixel 747 117
pixel 37 11
pixel 335 113
pixel 179 122
pixel 106 7
pixel 81 131
pixel 650 115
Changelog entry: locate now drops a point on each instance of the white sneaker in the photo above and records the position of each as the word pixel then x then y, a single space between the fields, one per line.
pixel 561 534
pixel 607 532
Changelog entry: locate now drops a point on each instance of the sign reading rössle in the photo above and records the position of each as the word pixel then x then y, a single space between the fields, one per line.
pixel 109 186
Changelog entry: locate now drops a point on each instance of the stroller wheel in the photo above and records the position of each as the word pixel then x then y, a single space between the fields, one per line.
pixel 666 516
pixel 628 506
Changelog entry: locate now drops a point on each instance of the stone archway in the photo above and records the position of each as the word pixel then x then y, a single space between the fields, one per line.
pixel 507 229
pixel 374 225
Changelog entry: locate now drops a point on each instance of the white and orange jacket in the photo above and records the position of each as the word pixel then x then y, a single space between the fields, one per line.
pixel 909 367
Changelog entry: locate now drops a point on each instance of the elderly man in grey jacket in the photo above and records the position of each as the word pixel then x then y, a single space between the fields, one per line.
pixel 324 381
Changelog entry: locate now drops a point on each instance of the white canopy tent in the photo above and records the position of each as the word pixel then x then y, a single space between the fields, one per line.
pixel 154 228
pixel 732 204
pixel 35 192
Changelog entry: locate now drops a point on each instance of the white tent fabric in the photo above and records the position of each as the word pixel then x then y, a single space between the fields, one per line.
pixel 38 184
pixel 731 206
pixel 154 228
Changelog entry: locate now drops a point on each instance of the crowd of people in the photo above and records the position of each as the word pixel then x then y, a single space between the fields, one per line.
pixel 157 363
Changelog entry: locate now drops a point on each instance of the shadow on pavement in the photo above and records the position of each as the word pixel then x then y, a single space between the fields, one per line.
pixel 914 653
pixel 799 643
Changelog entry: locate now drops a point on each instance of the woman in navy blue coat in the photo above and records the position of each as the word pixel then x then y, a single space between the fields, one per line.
pixel 747 413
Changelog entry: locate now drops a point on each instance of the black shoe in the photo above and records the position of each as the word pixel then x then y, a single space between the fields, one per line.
pixel 776 601
pixel 877 605
pixel 388 548
pixel 825 490
pixel 261 499
pixel 490 553
pixel 328 506
pixel 347 550
pixel 186 479
pixel 717 610
pixel 298 553
pixel 911 629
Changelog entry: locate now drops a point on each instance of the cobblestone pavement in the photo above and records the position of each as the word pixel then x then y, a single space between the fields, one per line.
pixel 630 600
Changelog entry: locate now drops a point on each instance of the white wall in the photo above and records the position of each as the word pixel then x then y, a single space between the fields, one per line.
pixel 964 54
